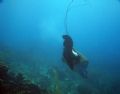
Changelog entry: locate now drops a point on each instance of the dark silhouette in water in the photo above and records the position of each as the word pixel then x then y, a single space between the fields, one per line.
pixel 72 58
pixel 67 53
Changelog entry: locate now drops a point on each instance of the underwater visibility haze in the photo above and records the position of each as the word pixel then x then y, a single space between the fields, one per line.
pixel 31 46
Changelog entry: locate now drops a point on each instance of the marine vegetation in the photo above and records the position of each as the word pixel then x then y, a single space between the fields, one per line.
pixel 17 84
pixel 57 89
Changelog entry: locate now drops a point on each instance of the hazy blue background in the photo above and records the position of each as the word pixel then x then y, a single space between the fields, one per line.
pixel 34 28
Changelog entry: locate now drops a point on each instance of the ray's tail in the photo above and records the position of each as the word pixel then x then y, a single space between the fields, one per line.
pixel 66 17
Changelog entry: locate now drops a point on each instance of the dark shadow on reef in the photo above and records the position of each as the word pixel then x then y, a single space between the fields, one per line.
pixel 17 84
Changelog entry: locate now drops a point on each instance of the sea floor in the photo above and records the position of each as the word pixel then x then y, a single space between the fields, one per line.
pixel 26 76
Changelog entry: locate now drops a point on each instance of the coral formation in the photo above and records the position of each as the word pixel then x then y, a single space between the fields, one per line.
pixel 56 88
pixel 17 84
pixel 19 76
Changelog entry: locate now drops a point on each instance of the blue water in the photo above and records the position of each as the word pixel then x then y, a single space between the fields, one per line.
pixel 32 32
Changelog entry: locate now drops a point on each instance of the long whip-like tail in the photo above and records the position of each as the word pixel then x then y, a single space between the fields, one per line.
pixel 66 17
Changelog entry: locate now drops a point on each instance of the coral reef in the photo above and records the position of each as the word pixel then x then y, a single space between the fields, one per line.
pixel 20 75
pixel 3 70
pixel 57 89
pixel 17 84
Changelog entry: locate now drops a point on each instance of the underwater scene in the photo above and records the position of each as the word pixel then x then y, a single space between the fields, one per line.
pixel 59 46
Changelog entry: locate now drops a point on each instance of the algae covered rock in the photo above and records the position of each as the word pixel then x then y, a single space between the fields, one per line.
pixel 3 70
pixel 17 84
